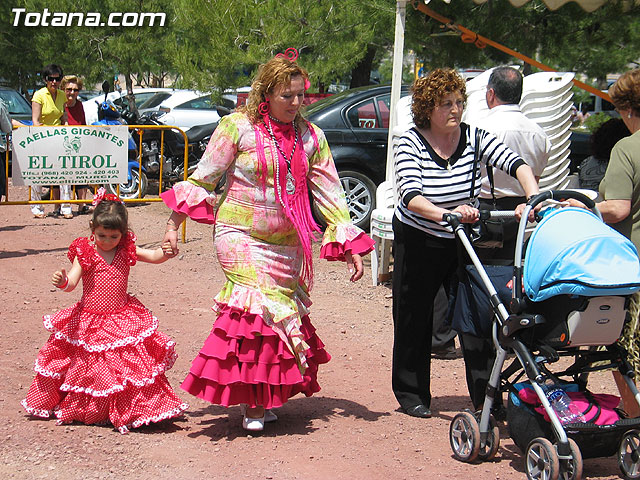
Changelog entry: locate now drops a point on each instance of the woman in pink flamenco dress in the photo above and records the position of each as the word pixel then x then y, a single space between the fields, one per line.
pixel 105 361
pixel 262 348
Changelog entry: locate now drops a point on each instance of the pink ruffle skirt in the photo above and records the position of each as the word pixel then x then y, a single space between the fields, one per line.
pixel 244 361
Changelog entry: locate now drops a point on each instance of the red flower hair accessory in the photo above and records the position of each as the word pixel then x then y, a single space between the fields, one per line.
pixel 102 194
pixel 291 54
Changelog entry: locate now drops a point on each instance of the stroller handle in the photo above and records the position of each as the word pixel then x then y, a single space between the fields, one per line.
pixel 561 195
pixel 453 218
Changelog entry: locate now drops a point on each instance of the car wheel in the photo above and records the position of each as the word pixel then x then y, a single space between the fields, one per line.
pixel 360 192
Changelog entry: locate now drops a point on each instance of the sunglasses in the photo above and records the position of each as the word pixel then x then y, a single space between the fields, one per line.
pixel 54 79
pixel 72 89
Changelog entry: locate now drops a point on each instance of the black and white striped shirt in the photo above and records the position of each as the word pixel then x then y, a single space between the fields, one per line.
pixel 446 184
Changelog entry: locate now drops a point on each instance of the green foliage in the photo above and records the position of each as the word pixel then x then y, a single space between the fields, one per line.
pixel 221 43
pixel 215 44
pixel 568 39
pixel 593 121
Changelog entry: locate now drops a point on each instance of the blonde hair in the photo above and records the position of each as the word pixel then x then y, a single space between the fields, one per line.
pixel 276 72
pixel 71 79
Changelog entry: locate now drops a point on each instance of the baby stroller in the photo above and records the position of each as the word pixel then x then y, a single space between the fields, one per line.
pixel 567 301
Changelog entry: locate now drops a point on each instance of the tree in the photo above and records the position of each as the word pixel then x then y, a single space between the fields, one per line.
pixel 221 43
pixel 95 52
pixel 569 38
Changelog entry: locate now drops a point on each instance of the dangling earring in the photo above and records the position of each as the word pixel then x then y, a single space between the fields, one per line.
pixel 92 238
pixel 629 116
pixel 263 108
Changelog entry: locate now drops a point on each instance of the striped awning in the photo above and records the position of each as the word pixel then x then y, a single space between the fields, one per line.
pixel 587 5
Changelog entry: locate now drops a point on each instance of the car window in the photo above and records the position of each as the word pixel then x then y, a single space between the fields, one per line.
pixel 363 115
pixel 144 96
pixel 16 104
pixel 202 103
pixel 154 100
pixel 384 107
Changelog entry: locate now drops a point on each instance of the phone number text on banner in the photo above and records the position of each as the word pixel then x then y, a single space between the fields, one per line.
pixel 74 155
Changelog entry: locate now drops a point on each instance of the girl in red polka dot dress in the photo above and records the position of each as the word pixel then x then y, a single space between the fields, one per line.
pixel 105 361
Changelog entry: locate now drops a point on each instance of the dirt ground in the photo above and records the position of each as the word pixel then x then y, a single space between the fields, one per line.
pixel 352 429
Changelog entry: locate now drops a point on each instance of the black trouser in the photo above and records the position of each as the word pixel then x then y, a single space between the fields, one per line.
pixel 479 356
pixel 421 264
pixel 443 334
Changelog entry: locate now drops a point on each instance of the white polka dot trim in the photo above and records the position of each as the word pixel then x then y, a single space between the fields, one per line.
pixel 105 346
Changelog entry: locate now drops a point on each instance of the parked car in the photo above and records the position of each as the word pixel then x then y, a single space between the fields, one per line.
pixel 18 106
pixel 188 108
pixel 356 124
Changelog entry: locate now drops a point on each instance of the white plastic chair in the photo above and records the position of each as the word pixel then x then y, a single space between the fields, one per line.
pixel 381 231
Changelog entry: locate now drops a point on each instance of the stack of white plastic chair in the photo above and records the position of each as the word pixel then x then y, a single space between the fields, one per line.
pixel 381 231
pixel 546 99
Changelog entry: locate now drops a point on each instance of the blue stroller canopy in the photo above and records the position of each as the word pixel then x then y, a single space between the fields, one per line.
pixel 572 252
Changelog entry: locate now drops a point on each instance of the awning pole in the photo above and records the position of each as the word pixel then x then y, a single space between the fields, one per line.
pixel 396 80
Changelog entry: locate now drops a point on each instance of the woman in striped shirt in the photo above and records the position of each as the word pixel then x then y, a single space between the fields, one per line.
pixel 434 168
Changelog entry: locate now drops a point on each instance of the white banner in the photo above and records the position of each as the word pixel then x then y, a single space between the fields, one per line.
pixel 70 155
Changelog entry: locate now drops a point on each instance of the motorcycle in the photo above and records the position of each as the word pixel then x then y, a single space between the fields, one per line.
pixel 137 181
pixel 171 155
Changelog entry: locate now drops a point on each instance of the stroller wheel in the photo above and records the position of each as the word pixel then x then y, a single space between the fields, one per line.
pixel 572 469
pixel 629 454
pixel 464 437
pixel 490 448
pixel 542 461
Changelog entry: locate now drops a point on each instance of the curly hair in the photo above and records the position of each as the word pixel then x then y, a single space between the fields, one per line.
pixel 276 72
pixel 428 91
pixel 625 93
pixel 67 79
pixel 112 215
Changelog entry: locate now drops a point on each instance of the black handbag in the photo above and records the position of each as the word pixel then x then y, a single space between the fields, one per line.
pixel 485 233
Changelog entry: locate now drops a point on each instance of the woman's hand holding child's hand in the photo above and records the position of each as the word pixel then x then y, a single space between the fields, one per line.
pixel 168 251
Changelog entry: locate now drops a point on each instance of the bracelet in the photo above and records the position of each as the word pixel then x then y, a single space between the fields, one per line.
pixel 171 230
pixel 66 282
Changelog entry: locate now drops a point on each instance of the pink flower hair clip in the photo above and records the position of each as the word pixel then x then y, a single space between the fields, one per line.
pixel 102 194
pixel 291 54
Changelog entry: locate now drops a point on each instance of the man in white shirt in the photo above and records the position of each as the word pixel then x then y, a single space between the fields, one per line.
pixel 527 139
pixel 520 134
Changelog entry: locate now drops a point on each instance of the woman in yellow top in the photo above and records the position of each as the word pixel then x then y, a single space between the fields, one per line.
pixel 47 108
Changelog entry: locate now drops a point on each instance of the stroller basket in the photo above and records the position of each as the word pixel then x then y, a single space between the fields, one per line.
pixel 594 441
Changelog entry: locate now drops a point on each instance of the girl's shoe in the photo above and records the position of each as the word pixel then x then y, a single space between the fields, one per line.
pixel 40 215
pixel 253 424
pixel 269 416
pixel 67 215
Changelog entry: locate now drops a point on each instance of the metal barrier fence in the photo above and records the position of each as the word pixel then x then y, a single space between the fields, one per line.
pixel 143 188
